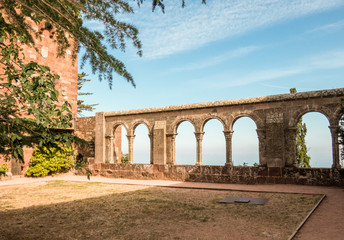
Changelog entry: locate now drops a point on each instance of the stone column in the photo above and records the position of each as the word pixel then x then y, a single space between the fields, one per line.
pixel 228 137
pixel 131 148
pixel 199 138
pixel 150 135
pixel 335 146
pixel 109 154
pixel 171 148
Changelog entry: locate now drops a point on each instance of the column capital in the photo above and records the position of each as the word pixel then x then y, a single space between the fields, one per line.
pixel 228 133
pixel 130 136
pixel 171 135
pixel 199 135
pixel 334 127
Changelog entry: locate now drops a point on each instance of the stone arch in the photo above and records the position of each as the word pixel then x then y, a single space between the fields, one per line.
pixel 252 141
pixel 116 124
pixel 208 118
pixel 179 120
pixel 141 121
pixel 293 120
pixel 213 140
pixel 319 138
pixel 257 120
pixel 141 156
pixel 185 142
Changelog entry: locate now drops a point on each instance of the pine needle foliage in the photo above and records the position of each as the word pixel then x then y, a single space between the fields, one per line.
pixel 30 114
pixel 67 18
pixel 81 105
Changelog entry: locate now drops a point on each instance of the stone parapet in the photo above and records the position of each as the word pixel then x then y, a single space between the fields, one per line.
pixel 223 174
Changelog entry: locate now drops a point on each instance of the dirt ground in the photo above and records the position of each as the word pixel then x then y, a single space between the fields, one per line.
pixel 78 210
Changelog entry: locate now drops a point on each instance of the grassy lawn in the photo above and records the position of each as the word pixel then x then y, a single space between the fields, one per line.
pixel 79 210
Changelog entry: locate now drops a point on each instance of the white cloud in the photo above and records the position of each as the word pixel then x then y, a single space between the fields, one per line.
pixel 329 27
pixel 325 61
pixel 194 26
pixel 236 53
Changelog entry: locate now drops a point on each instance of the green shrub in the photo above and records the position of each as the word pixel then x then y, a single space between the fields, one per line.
pixel 3 169
pixel 125 158
pixel 50 162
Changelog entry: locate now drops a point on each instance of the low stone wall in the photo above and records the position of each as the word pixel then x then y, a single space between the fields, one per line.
pixel 221 174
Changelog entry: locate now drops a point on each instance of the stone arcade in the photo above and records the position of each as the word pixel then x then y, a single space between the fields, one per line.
pixel 276 119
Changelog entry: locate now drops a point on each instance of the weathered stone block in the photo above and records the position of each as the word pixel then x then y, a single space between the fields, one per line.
pixel 275 171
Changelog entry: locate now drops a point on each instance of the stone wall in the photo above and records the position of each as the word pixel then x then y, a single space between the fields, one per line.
pixel 275 116
pixel 85 129
pixel 222 174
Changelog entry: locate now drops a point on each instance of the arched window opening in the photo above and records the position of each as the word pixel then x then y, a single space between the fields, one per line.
pixel 120 145
pixel 141 145
pixel 318 140
pixel 245 143
pixel 185 144
pixel 214 143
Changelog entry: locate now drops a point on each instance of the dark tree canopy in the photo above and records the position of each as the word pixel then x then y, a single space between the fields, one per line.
pixel 66 16
pixel 30 113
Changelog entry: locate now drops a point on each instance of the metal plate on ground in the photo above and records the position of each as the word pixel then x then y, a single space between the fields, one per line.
pixel 257 201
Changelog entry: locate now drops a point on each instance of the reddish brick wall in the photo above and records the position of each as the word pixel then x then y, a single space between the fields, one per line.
pixel 63 66
pixel 67 84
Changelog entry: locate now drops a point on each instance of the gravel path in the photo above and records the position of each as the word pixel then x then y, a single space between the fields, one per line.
pixel 327 222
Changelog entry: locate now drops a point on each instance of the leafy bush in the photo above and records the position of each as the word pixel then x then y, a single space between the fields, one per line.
pixel 3 169
pixel 50 162
pixel 125 158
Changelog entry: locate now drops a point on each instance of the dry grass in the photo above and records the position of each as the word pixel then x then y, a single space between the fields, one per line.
pixel 76 210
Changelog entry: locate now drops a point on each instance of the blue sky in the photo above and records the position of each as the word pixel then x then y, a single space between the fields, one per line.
pixel 229 50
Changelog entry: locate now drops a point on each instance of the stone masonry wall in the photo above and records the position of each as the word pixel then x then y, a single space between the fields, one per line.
pixel 222 174
pixel 85 129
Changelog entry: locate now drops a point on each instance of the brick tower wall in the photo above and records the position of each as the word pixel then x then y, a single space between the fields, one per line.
pixel 65 67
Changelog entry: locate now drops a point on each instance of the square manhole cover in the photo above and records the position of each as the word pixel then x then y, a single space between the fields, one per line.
pixel 257 201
